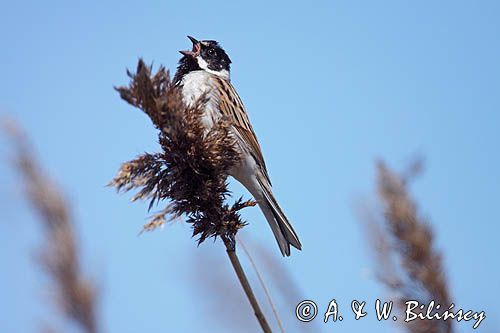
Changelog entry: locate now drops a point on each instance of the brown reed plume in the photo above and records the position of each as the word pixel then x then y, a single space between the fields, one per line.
pixel 191 170
pixel 60 258
pixel 409 264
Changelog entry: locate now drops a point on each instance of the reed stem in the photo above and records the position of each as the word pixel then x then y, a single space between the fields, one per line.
pixel 240 273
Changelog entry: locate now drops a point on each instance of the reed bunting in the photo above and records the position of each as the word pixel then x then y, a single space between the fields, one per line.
pixel 205 70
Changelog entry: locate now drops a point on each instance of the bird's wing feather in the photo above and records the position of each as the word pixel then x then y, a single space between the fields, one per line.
pixel 231 106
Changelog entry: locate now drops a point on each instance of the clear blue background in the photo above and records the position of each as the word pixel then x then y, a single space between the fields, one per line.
pixel 329 86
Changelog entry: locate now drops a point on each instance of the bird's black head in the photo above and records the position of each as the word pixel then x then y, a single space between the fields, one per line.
pixel 206 55
pixel 214 55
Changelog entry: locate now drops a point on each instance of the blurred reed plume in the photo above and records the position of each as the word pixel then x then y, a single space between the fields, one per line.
pixel 60 258
pixel 408 263
pixel 192 169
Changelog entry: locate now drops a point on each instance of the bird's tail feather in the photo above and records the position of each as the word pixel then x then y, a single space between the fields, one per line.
pixel 282 229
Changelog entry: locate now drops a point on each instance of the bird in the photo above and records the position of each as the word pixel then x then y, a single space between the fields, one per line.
pixel 205 71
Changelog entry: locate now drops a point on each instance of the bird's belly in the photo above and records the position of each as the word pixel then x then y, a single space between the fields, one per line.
pixel 244 172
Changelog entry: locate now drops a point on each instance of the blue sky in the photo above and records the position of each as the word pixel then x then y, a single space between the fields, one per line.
pixel 330 87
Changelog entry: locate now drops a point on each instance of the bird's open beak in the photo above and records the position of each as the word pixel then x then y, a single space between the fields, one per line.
pixel 196 48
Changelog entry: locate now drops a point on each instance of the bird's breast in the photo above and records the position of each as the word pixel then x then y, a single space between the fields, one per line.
pixel 197 84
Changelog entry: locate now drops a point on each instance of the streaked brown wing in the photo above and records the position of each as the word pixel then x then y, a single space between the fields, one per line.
pixel 231 106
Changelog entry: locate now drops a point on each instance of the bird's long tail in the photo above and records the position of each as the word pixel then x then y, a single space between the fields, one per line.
pixel 282 229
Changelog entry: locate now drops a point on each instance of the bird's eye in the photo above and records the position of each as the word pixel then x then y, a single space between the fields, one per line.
pixel 212 52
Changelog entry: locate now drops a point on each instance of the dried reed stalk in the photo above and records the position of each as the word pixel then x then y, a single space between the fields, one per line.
pixel 263 285
pixel 60 257
pixel 281 282
pixel 412 267
pixel 238 269
pixel 190 172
